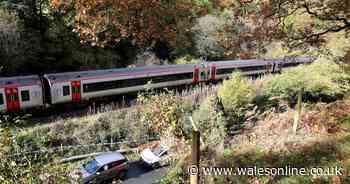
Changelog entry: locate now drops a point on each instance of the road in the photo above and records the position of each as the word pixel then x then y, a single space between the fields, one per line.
pixel 140 174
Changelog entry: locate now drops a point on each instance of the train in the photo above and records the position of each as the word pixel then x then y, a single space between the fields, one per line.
pixel 24 92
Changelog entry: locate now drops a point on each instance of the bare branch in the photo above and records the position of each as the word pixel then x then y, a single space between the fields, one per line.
pixel 323 17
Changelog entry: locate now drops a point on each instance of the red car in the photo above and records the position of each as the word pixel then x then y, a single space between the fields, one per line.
pixel 104 167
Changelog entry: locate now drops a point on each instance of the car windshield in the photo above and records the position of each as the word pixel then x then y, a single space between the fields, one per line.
pixel 91 166
pixel 158 150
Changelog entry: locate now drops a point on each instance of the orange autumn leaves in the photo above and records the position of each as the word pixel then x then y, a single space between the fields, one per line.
pixel 142 21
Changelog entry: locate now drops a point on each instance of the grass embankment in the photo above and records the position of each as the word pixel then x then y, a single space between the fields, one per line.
pixel 130 125
pixel 323 140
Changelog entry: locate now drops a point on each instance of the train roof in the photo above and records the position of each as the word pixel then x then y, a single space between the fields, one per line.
pixel 252 62
pixel 121 71
pixel 134 70
pixel 247 62
pixel 20 81
pixel 68 76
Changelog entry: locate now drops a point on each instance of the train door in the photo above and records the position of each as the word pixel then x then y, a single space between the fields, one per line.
pixel 213 72
pixel 76 91
pixel 12 100
pixel 196 74
pixel 201 73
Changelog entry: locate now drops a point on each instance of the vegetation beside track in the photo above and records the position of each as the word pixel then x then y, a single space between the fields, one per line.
pixel 264 136
pixel 245 128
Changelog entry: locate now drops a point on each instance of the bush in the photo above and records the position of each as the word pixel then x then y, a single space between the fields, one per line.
pixel 187 59
pixel 236 95
pixel 322 80
pixel 115 126
pixel 175 175
pixel 25 168
pixel 211 121
pixel 164 112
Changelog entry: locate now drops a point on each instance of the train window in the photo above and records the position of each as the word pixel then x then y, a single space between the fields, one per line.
pixel 203 75
pixel 243 69
pixel 75 89
pixel 251 68
pixel 100 86
pixel 25 95
pixel 13 97
pixel 225 70
pixel 66 90
pixel 290 64
pixel 1 99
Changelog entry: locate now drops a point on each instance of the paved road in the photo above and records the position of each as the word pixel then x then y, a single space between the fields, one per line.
pixel 140 174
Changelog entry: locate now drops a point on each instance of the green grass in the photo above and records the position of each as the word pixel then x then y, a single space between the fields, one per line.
pixel 346 123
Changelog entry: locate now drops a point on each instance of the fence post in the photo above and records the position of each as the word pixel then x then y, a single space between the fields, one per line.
pixel 298 110
pixel 195 154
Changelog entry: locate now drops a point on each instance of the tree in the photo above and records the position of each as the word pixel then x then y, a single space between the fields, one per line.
pixel 16 45
pixel 144 22
pixel 320 18
pixel 245 30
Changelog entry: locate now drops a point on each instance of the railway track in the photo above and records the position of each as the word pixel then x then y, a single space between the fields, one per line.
pixel 106 104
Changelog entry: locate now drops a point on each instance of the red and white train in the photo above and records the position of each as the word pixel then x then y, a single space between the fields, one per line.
pixel 36 91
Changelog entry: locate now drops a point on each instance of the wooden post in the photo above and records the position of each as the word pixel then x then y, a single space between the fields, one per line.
pixel 298 110
pixel 195 154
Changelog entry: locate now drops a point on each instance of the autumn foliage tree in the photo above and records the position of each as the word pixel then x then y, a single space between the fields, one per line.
pixel 318 19
pixel 297 23
pixel 144 22
pixel 239 29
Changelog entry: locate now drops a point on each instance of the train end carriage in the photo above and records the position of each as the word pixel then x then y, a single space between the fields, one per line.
pixel 224 69
pixel 305 59
pixel 289 62
pixel 22 92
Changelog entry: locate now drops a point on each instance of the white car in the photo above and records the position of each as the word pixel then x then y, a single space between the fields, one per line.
pixel 152 156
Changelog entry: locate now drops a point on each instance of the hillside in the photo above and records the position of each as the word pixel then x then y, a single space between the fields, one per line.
pixel 294 119
pixel 263 109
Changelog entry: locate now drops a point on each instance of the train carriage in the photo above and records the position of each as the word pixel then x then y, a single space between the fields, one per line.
pixel 77 86
pixel 20 93
pixel 224 69
pixel 290 62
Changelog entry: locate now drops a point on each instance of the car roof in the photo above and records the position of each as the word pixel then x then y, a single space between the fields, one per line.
pixel 109 157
